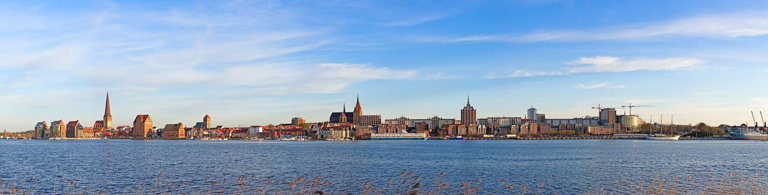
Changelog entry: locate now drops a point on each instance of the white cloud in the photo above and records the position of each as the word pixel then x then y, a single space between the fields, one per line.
pixel 615 64
pixel 607 64
pixel 600 86
pixel 747 24
pixel 529 73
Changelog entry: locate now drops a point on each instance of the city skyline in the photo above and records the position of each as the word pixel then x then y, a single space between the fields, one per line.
pixel 250 63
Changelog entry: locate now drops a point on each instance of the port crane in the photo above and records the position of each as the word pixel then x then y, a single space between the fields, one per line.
pixel 753 119
pixel 630 106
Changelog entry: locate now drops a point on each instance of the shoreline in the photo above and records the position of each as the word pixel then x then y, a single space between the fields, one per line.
pixel 429 138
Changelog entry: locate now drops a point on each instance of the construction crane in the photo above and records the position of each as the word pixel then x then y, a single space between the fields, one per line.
pixel 630 106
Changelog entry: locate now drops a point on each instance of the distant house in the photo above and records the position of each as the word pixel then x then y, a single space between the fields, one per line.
pixel 74 129
pixel 88 132
pixel 98 126
pixel 142 126
pixel 41 130
pixel 174 131
pixel 57 129
pixel 254 131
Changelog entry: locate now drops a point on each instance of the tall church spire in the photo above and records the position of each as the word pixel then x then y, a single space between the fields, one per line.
pixel 106 109
pixel 107 122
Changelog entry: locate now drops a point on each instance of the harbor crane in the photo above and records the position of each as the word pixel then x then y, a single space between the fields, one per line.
pixel 763 119
pixel 753 119
pixel 630 106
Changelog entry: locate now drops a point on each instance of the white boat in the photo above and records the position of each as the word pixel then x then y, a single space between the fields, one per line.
pixel 662 137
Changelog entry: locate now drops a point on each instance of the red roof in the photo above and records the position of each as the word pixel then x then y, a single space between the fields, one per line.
pixel 142 117
pixel 206 116
pixel 73 123
pixel 99 123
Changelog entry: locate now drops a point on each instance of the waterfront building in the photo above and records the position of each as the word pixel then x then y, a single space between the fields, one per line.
pixel 142 126
pixel 74 129
pixel 298 121
pixel 390 128
pixel 433 124
pixel 574 121
pixel 254 131
pixel 58 129
pixel 363 131
pixel 107 122
pixel 174 131
pixel 607 116
pixel 87 133
pixel 468 114
pixel 41 130
pixel 494 124
pixel 98 126
pixel 631 121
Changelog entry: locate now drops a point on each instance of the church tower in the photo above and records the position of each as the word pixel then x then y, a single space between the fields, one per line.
pixel 207 122
pixel 107 115
pixel 358 112
pixel 343 117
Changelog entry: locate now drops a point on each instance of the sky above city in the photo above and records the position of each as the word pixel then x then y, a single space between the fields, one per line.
pixel 264 62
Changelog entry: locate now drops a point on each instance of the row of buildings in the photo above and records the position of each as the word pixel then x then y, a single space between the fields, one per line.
pixel 352 125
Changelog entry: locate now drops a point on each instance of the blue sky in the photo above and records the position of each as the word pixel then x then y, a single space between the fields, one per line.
pixel 263 62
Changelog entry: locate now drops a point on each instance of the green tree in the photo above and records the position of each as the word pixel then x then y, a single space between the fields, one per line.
pixel 305 126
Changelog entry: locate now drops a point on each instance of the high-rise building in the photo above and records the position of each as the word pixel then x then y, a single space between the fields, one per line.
pixel 207 122
pixel 142 126
pixel 533 114
pixel 298 121
pixel 41 130
pixel 607 116
pixel 107 122
pixel 468 114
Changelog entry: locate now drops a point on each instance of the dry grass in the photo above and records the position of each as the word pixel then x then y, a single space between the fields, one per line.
pixel 406 182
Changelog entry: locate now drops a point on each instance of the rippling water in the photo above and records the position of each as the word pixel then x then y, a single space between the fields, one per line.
pixel 565 166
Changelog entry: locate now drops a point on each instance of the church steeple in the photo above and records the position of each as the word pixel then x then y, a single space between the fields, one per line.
pixel 107 112
pixel 343 117
pixel 358 112
pixel 107 115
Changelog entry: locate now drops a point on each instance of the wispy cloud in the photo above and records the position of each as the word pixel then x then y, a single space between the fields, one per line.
pixel 416 20
pixel 615 64
pixel 600 86
pixel 732 25
pixel 607 64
